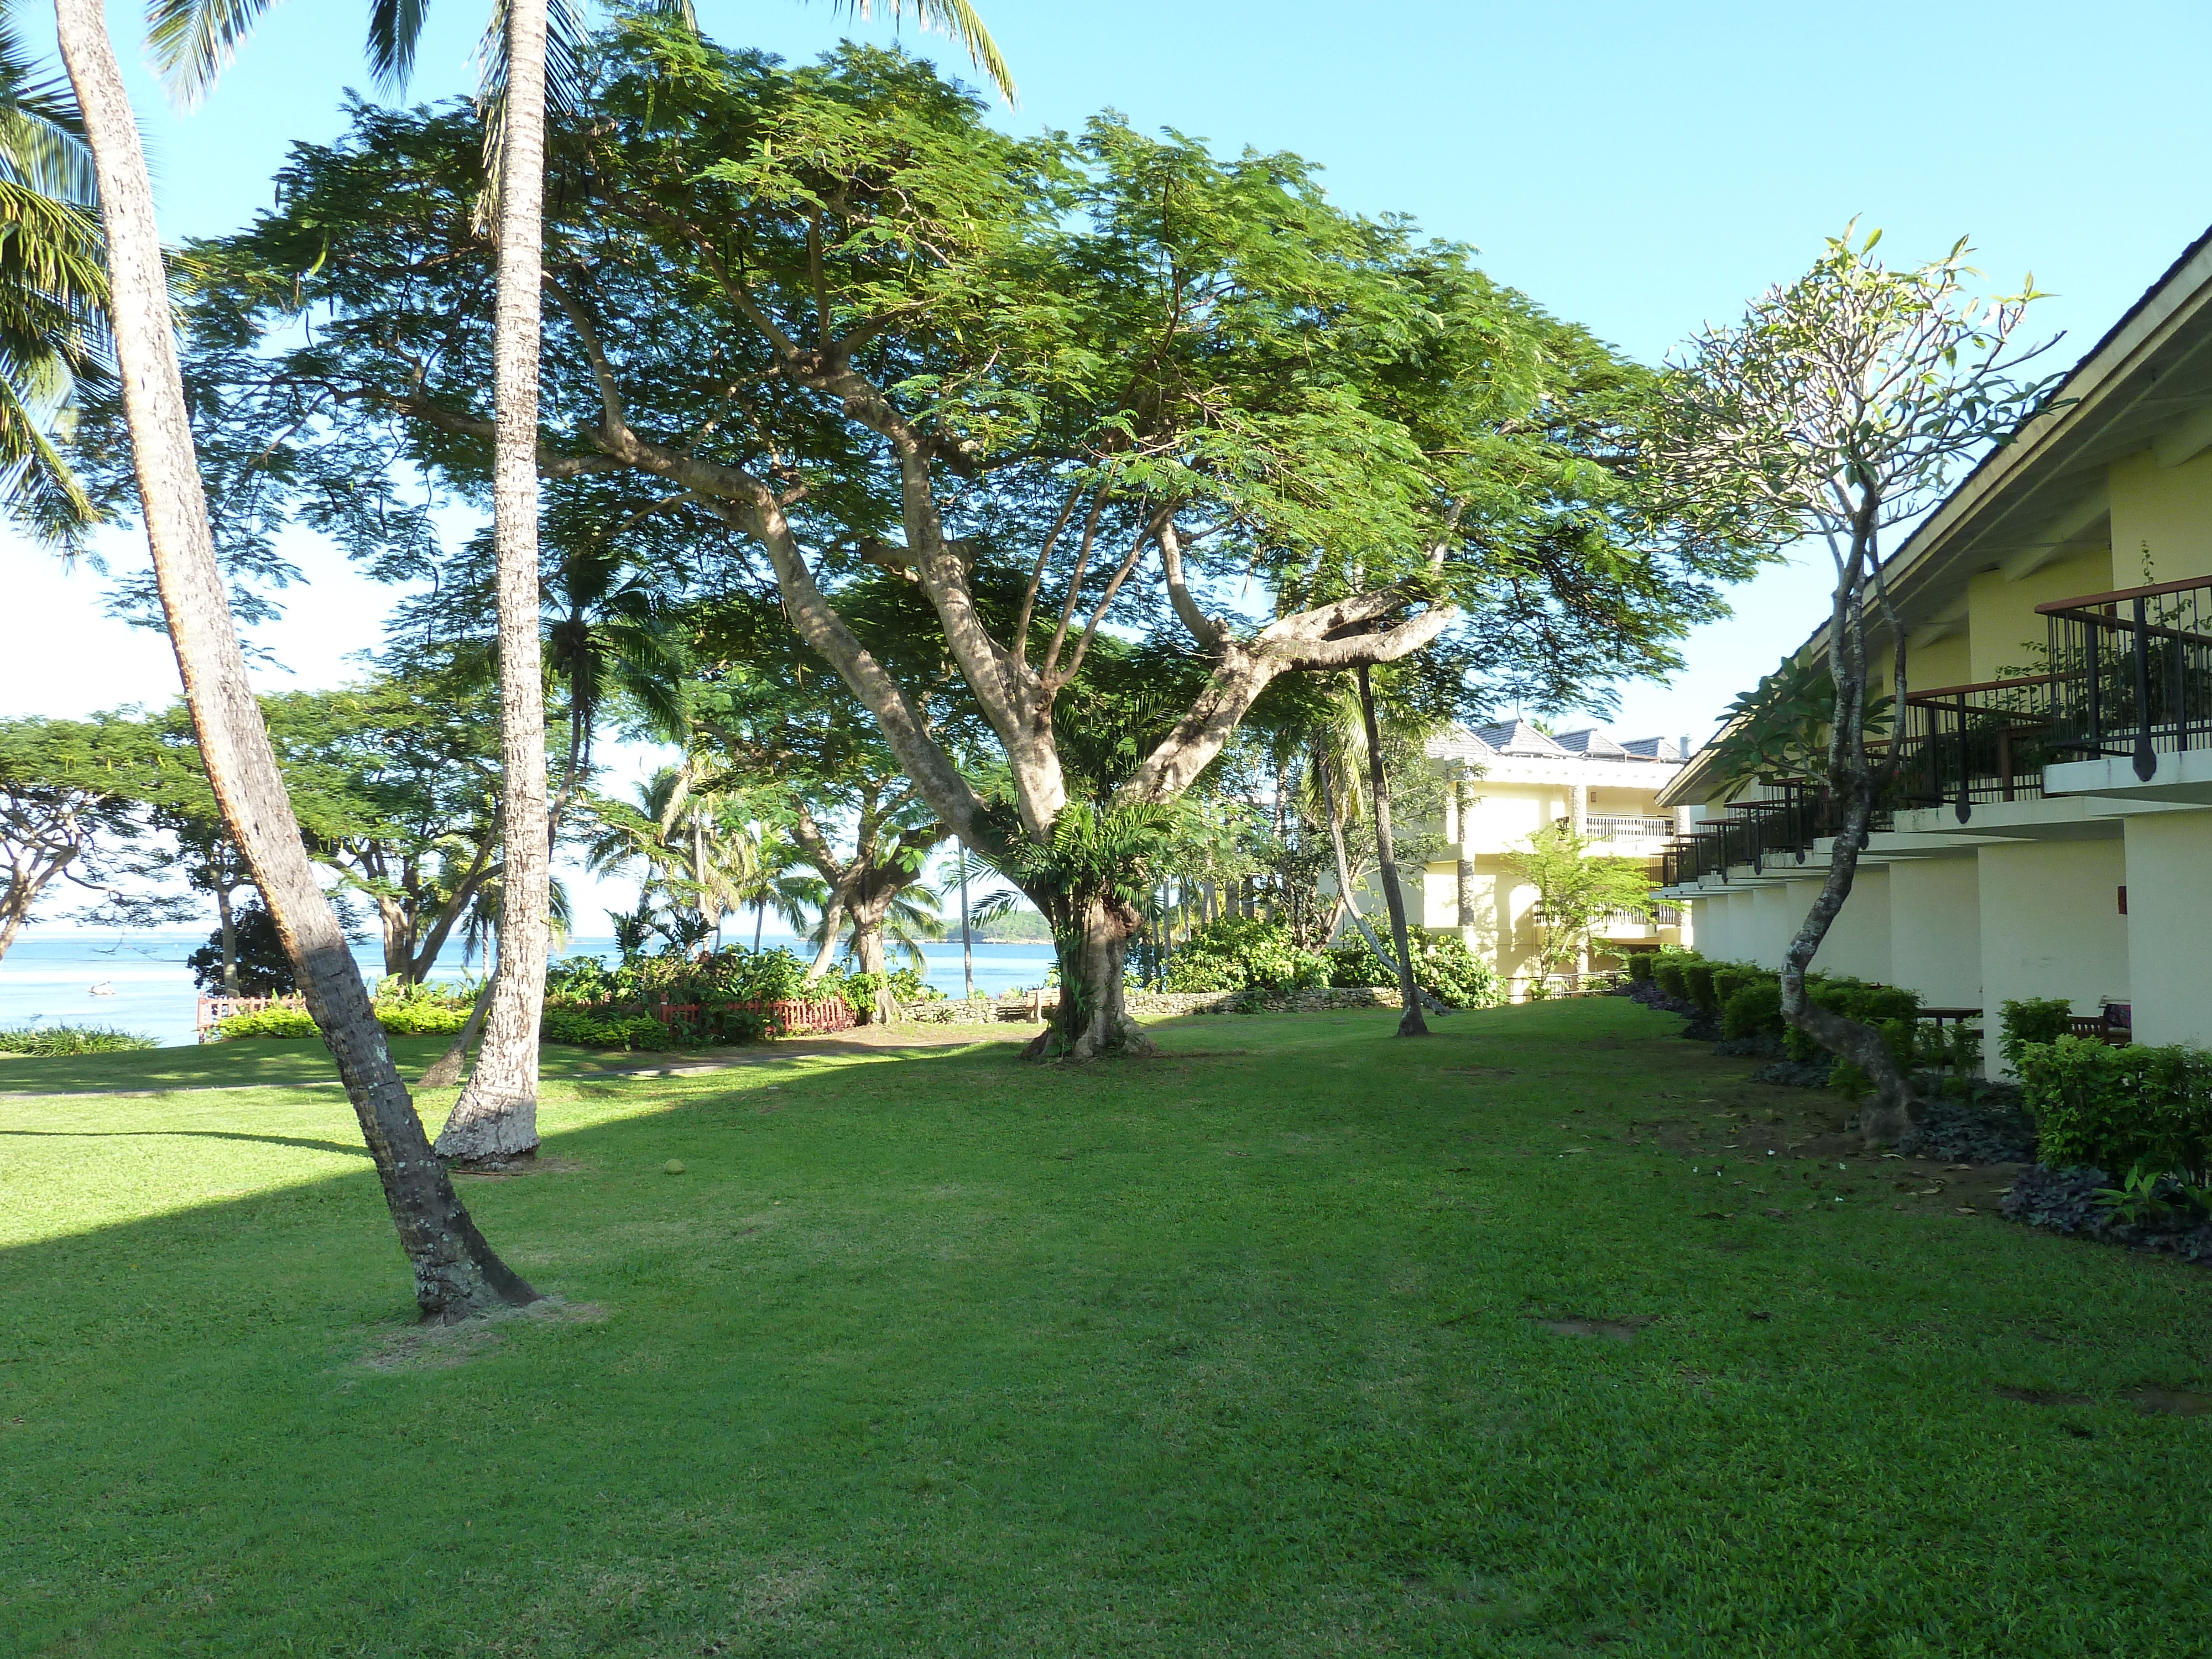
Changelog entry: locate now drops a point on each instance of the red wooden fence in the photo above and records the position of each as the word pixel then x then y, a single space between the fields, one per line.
pixel 814 1014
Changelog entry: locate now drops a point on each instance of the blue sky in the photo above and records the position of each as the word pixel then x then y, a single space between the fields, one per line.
pixel 1637 169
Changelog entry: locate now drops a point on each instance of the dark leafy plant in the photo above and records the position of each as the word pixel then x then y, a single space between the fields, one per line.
pixel 1238 951
pixel 2030 1020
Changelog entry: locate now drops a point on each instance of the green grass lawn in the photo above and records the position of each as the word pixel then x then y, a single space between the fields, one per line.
pixel 1249 1350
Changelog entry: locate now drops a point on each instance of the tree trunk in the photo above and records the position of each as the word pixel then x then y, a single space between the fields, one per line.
pixel 833 932
pixel 396 924
pixel 228 925
pixel 1463 868
pixel 1410 1022
pixel 456 1273
pixel 868 956
pixel 498 1113
pixel 1093 1018
pixel 967 939
pixel 1890 1116
pixel 446 1069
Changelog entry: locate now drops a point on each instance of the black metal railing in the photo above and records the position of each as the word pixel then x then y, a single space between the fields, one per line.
pixel 1961 744
pixel 2132 672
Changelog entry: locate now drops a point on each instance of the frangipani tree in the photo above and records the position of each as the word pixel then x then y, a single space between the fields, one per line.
pixel 1844 405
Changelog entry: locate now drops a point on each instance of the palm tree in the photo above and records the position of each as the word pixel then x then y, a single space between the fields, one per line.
pixel 697 856
pixel 609 631
pixel 967 867
pixel 53 293
pixel 457 1274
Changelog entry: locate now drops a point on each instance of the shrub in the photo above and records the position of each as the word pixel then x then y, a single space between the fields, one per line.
pixel 1668 972
pixel 269 1023
pixel 58 1041
pixel 609 1030
pixel 1238 952
pixel 1729 978
pixel 1353 963
pixel 2030 1020
pixel 1870 1004
pixel 1699 977
pixel 420 1017
pixel 1442 966
pixel 1753 1010
pixel 1639 965
pixel 2118 1109
pixel 1447 970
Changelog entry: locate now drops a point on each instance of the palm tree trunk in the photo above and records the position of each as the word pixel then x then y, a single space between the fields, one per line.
pixel 456 1271
pixel 1410 1023
pixel 1345 901
pixel 967 943
pixel 228 921
pixel 496 1115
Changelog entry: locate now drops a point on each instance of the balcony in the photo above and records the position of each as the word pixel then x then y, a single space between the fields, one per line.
pixel 1768 835
pixel 2131 709
pixel 1959 745
pixel 1600 826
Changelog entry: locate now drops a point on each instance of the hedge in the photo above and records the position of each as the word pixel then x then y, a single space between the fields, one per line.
pixel 2118 1109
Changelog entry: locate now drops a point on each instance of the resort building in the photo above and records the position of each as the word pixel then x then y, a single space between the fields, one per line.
pixel 2051 832
pixel 1503 782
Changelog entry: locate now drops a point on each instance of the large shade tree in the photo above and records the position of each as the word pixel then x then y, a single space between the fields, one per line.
pixel 1068 390
pixel 530 61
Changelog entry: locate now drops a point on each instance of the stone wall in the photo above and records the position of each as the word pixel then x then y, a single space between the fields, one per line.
pixel 1167 1004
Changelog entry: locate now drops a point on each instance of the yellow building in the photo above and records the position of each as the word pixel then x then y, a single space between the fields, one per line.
pixel 1506 781
pixel 2052 832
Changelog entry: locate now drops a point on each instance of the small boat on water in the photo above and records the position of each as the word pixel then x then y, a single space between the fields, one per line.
pixel 105 988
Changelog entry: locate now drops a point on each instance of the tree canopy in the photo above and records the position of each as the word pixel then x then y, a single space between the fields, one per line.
pixel 1138 430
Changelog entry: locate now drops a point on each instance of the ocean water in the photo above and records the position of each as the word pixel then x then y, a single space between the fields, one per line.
pixel 48 976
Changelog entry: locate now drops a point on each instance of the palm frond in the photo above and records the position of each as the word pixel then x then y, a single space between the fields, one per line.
pixel 192 42
pixel 958 19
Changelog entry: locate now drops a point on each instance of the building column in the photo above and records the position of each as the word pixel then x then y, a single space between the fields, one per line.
pixel 2168 922
pixel 1579 808
pixel 2051 926
pixel 1461 795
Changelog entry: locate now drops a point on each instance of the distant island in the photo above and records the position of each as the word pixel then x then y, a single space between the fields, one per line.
pixel 1022 927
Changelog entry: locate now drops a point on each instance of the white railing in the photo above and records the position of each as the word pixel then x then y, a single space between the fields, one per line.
pixel 1609 827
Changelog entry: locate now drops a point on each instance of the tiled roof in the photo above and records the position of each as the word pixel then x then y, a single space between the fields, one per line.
pixel 1460 745
pixel 1592 742
pixel 1517 738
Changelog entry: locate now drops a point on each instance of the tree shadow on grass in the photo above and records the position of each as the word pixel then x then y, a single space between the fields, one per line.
pixel 189 1134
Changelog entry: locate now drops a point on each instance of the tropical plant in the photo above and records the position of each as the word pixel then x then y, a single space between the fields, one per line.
pixel 59 1042
pixel 1574 893
pixel 456 1271
pixel 1843 405
pixel 53 294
